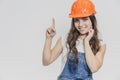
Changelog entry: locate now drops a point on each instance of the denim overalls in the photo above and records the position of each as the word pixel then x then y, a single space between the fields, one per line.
pixel 70 72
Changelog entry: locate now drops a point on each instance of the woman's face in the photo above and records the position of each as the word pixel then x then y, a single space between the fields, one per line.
pixel 83 25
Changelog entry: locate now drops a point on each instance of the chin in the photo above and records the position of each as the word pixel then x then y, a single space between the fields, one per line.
pixel 83 33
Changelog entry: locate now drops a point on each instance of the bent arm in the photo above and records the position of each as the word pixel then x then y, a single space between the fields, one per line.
pixel 94 61
pixel 50 55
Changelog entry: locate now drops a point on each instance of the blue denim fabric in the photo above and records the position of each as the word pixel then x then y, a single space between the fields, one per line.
pixel 70 72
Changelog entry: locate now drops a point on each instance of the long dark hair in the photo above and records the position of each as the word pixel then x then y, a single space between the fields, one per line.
pixel 73 36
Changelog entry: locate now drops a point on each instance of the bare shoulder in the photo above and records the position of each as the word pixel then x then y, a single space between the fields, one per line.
pixel 102 48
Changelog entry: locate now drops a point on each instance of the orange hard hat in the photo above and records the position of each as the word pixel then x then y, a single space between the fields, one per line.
pixel 82 8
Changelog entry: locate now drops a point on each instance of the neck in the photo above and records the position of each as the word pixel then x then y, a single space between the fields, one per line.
pixel 82 36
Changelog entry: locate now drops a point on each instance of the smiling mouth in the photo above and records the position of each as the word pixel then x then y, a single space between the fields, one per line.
pixel 81 29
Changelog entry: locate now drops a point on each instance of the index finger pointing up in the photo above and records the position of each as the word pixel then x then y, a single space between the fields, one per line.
pixel 53 22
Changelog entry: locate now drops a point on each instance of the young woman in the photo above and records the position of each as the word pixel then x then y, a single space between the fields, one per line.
pixel 85 48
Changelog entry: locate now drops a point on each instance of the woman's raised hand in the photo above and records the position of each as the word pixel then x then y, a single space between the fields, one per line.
pixel 51 32
pixel 90 34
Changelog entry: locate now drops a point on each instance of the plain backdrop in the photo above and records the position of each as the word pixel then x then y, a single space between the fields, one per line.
pixel 22 35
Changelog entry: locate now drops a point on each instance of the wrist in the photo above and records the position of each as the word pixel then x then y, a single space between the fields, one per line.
pixel 48 38
pixel 86 41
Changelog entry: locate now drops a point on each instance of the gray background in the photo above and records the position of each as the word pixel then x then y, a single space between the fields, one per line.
pixel 22 35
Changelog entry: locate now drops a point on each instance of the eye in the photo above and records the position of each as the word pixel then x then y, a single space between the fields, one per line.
pixel 76 20
pixel 85 19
